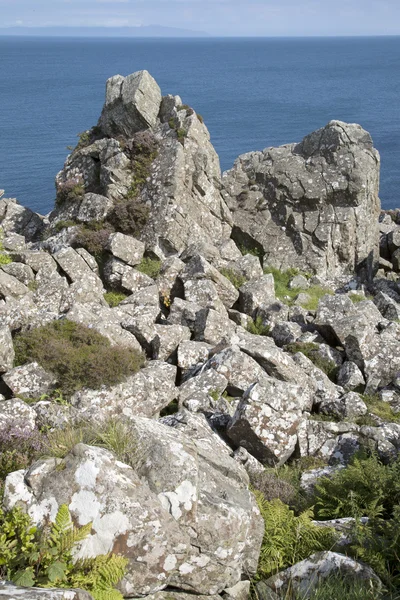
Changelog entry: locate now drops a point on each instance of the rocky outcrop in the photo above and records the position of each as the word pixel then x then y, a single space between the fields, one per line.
pixel 245 367
pixel 312 205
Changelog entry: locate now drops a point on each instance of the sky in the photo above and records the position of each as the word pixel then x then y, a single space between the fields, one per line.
pixel 216 17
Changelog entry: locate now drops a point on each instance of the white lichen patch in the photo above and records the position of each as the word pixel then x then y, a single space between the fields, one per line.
pixel 85 506
pixel 86 474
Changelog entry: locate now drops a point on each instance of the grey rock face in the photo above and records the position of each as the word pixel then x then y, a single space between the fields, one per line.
pixel 14 592
pixel 17 414
pixel 6 349
pixel 126 248
pixel 132 104
pixel 312 205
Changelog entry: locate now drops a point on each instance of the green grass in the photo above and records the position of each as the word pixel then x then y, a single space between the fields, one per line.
pixel 236 279
pixel 338 587
pixel 287 295
pixel 381 409
pixel 60 225
pixel 114 298
pixel 150 266
pixel 77 356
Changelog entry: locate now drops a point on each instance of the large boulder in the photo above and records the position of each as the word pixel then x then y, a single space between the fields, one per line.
pixel 184 516
pixel 312 205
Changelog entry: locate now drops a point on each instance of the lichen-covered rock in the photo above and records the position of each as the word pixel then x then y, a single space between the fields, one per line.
pixel 266 420
pixel 16 414
pixel 198 269
pixel 8 591
pixel 256 294
pixel 126 248
pixel 6 348
pixel 304 576
pixel 350 377
pixel 132 104
pixel 184 516
pixel 29 380
pixel 11 287
pixel 144 394
pixel 312 205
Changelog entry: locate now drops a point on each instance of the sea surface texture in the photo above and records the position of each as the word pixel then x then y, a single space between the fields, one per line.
pixel 252 93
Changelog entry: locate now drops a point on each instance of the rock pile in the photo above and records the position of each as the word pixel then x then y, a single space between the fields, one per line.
pixel 142 210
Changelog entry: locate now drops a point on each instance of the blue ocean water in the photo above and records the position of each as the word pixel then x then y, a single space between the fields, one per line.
pixel 252 93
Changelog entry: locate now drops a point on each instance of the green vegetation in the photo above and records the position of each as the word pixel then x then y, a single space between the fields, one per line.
pixel 380 408
pixel 114 298
pixel 288 295
pixel 235 278
pixel 337 587
pixel 5 259
pixel 78 356
pixel 130 215
pixel 311 351
pixel 249 249
pixel 288 538
pixel 258 327
pixel 180 132
pixel 150 266
pixel 43 557
pixel 200 118
pixel 33 286
pixel 355 298
pixel 60 225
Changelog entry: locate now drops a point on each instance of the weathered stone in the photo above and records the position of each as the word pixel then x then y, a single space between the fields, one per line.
pixel 78 270
pixel 389 308
pixel 285 333
pixel 348 406
pixel 198 268
pixel 16 414
pixel 350 377
pixel 304 576
pixel 8 591
pixel 255 294
pixel 94 207
pixel 21 220
pixel 247 266
pixel 22 272
pixel 314 205
pixel 196 393
pixel 6 349
pixel 144 394
pixel 126 248
pixel 191 354
pixel 204 293
pixel 132 104
pixel 10 287
pixel 334 442
pixel 212 326
pixel 266 420
pixel 30 380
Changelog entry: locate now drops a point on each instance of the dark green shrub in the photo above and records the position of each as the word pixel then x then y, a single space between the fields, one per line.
pixel 60 225
pixel 78 356
pixel 43 557
pixel 310 350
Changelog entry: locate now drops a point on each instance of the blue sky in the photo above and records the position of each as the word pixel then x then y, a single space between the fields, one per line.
pixel 217 17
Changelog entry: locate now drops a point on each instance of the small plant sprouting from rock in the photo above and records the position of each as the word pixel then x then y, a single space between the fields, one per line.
pixel 235 278
pixel 78 356
pixel 311 351
pixel 258 327
pixel 180 131
pixel 60 225
pixel 43 557
pixel 5 259
pixel 288 295
pixel 114 298
pixel 150 266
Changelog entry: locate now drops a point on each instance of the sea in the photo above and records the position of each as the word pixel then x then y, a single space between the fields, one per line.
pixel 252 93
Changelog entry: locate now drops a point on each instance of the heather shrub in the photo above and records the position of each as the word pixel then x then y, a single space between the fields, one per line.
pixel 129 215
pixel 93 237
pixel 70 190
pixel 78 356
pixel 18 449
pixel 272 486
